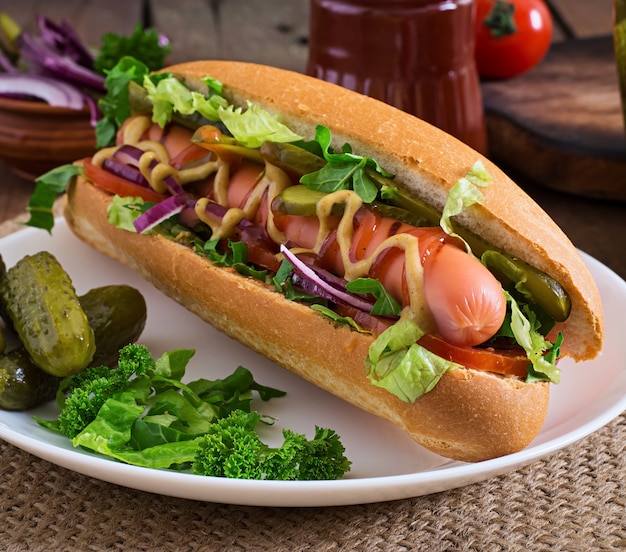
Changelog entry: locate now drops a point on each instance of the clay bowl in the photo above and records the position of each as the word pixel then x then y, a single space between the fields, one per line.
pixel 36 137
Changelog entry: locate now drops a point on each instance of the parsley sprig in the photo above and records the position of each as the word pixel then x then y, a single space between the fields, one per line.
pixel 146 45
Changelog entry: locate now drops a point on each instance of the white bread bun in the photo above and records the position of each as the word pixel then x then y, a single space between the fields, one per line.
pixel 427 162
pixel 470 415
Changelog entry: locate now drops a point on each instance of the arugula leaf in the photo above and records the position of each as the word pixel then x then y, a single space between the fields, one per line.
pixel 348 320
pixel 236 256
pixel 233 392
pixel 143 44
pixel 283 284
pixel 214 86
pixel 343 171
pixel 283 274
pixel 115 106
pixel 385 304
pixel 47 188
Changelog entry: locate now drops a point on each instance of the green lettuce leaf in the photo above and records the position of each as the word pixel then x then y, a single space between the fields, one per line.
pixel 397 363
pixel 156 419
pixel 254 126
pixel 464 193
pixel 123 211
pixel 250 127
pixel 525 331
pixel 169 94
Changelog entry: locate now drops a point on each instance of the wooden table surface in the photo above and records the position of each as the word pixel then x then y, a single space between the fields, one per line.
pixel 275 32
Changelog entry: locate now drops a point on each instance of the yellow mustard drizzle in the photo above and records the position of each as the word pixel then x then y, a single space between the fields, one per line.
pixel 414 272
pixel 134 130
pixel 155 152
pixel 219 228
pixel 271 179
pixel 275 180
pixel 102 154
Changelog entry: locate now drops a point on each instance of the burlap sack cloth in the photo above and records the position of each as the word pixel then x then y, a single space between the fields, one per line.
pixel 573 500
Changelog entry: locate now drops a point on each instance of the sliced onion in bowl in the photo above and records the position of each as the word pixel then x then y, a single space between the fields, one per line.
pixel 62 38
pixel 51 91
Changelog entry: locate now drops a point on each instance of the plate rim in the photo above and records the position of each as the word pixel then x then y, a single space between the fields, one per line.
pixel 348 491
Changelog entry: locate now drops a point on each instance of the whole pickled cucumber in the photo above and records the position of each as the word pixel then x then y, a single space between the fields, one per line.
pixel 22 384
pixel 117 314
pixel 41 302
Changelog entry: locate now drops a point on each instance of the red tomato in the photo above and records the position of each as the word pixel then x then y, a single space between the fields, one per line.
pixel 116 185
pixel 499 361
pixel 511 36
pixel 505 362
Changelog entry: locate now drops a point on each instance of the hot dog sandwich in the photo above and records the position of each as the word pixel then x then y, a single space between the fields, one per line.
pixel 351 243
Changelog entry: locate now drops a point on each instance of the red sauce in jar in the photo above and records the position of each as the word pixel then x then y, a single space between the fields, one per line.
pixel 417 55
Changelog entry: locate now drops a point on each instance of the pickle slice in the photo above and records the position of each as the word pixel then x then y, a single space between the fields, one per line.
pixel 541 288
pixel 300 201
pixel 531 282
pixel 291 158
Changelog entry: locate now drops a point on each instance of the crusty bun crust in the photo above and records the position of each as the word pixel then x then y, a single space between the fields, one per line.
pixel 469 416
pixel 427 162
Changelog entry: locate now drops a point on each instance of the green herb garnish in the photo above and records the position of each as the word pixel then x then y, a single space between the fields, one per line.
pixel 343 171
pixel 143 44
pixel 115 106
pixel 385 304
pixel 141 413
pixel 47 188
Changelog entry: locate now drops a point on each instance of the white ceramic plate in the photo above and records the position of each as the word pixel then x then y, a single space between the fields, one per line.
pixel 387 465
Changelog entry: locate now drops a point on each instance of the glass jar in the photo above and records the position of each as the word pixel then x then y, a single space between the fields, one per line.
pixel 417 55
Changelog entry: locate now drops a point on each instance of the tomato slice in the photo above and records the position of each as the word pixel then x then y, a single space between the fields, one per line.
pixel 116 185
pixel 499 361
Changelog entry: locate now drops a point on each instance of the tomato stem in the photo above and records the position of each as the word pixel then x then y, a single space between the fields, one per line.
pixel 500 19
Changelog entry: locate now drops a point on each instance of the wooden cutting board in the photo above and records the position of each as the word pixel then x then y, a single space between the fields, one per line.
pixel 561 123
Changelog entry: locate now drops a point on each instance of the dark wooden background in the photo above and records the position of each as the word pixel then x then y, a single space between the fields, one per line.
pixel 275 32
